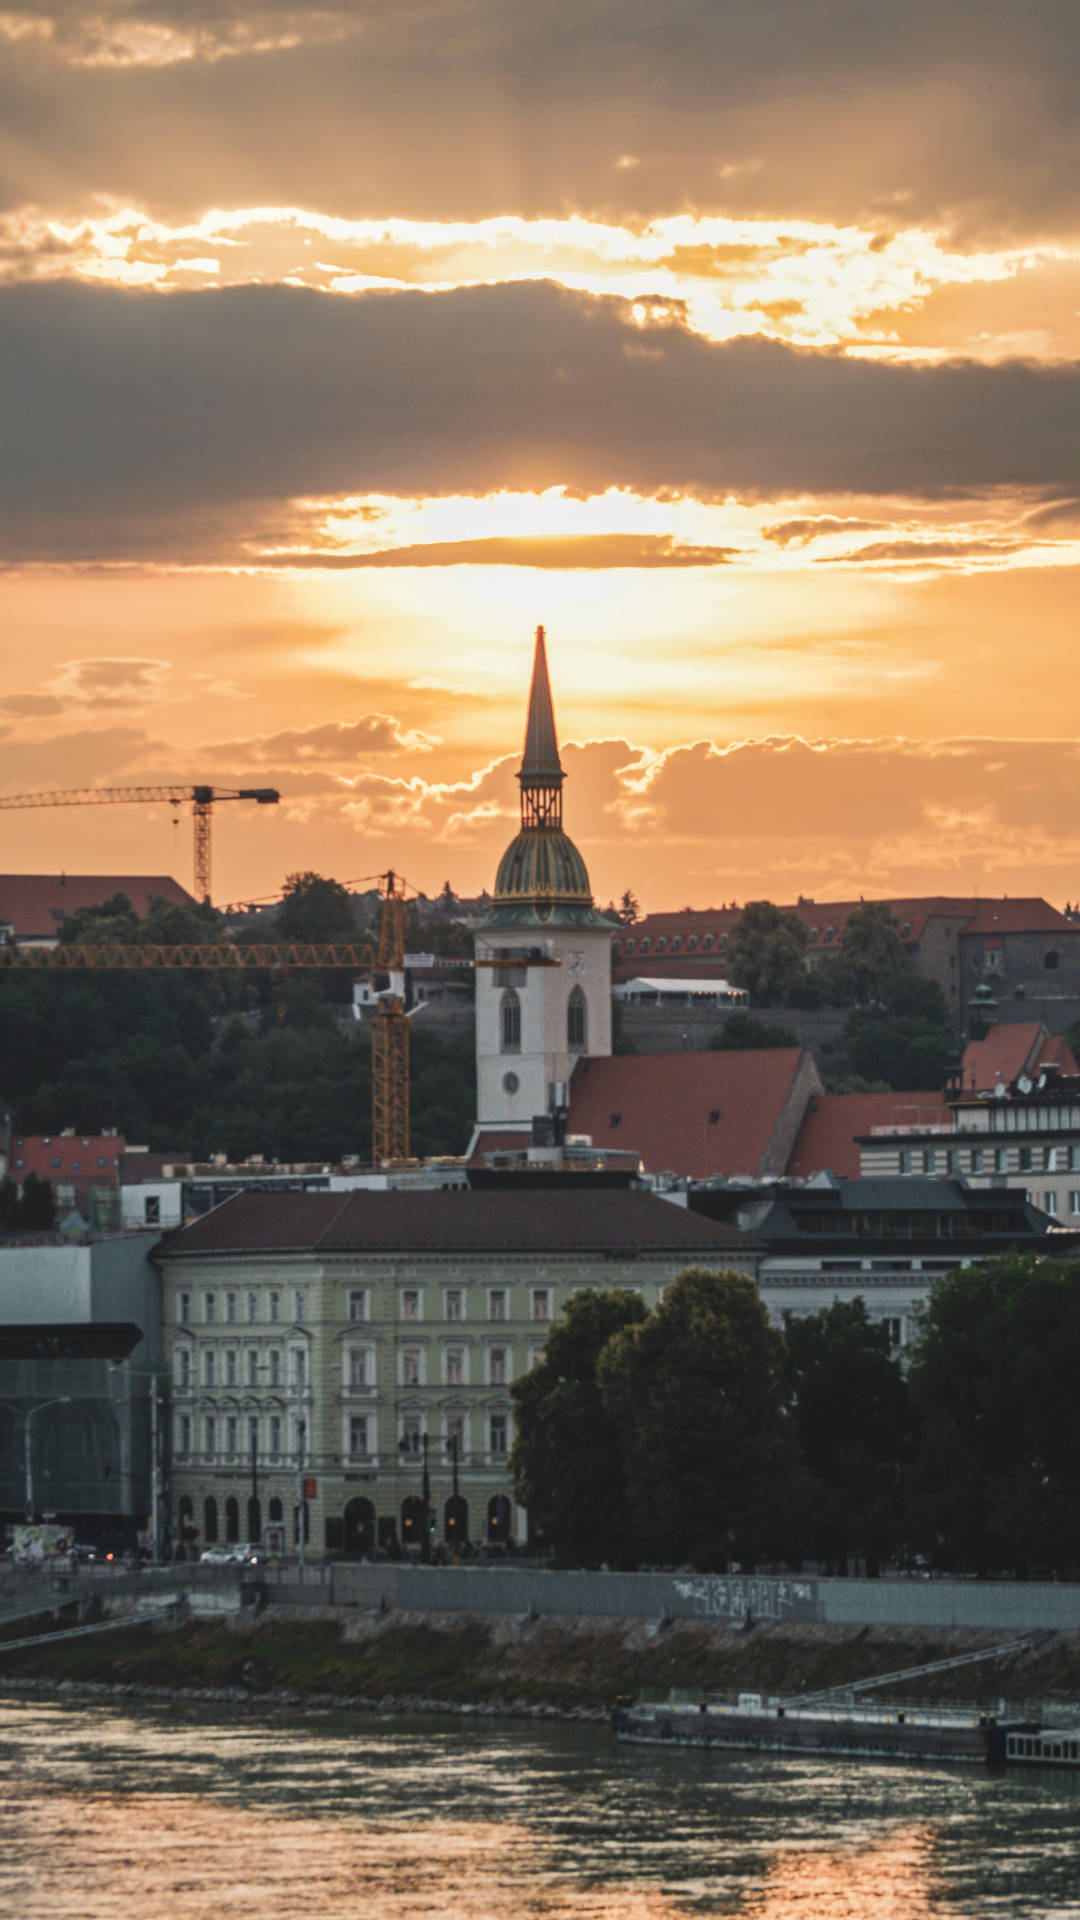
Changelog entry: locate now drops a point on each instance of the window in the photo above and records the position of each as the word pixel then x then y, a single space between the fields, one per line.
pixel 410 1303
pixel 895 1331
pixel 152 1210
pixel 453 1303
pixel 358 1442
pixel 230 1367
pixel 691 943
pixel 1049 1201
pixel 1074 1200
pixel 275 1433
pixel 676 944
pixel 976 1160
pixel 708 941
pixel 1050 961
pixel 630 945
pixel 536 1354
pixel 252 1368
pixel 905 1159
pixel 576 1022
pixel 410 1433
pixel 211 1435
pixel 1001 1159
pixel 510 1022
pixel 252 1308
pixel 497 1303
pixel 950 1159
pixel 210 1308
pixel 1051 1161
pixel 358 1303
pixel 928 1160
pixel 208 1367
pixel 497 1433
pixel 646 944
pixel 1025 1160
pixel 661 943
pixel 541 1303
pixel 299 1368
pixel 230 1308
pixel 358 1367
pixel 299 1304
pixel 183 1367
pixel 275 1366
pixel 455 1437
pixel 230 1433
pixel 275 1306
pixel 183 1434
pixel 210 1519
pixel 253 1433
pixel 1074 1159
pixel 183 1312
pixel 497 1366
pixel 455 1367
pixel 232 1519
pixel 410 1366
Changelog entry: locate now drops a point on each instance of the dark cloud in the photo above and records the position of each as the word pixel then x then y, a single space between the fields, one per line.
pixel 80 759
pixel 460 108
pixel 139 409
pixel 565 551
pixel 888 552
pixel 31 706
pixel 111 682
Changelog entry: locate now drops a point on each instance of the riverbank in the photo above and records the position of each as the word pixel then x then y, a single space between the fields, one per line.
pixel 402 1662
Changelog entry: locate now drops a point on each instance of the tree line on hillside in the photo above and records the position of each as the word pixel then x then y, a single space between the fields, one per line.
pixel 700 1434
pixel 211 1062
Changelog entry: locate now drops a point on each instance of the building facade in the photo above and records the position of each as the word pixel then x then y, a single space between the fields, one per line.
pixel 359 1349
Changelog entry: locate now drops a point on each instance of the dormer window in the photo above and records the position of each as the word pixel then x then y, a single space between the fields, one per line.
pixel 813 936
pixel 630 945
pixel 676 944
pixel 661 943
pixel 708 940
pixel 646 944
pixel 691 943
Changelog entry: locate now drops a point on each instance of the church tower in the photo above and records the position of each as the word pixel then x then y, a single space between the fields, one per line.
pixel 534 1022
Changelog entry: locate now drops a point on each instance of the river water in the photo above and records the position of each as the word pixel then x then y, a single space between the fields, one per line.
pixel 134 1811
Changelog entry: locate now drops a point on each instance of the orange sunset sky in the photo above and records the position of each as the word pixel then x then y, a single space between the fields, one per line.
pixel 734 340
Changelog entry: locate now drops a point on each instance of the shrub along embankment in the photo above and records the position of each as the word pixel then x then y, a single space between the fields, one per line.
pixel 519 1663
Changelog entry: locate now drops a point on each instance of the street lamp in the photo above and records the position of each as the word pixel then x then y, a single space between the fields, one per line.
pixel 302 1356
pixel 62 1400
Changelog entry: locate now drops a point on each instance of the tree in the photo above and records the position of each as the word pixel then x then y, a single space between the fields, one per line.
pixel 906 1039
pixel 628 910
pixel 741 1033
pixel 854 1424
pixel 316 909
pixel 997 1481
pixel 870 955
pixel 567 1459
pixel 32 1211
pixel 695 1392
pixel 766 953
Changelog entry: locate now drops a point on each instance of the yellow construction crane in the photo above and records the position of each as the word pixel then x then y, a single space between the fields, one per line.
pixel 201 799
pixel 390 1027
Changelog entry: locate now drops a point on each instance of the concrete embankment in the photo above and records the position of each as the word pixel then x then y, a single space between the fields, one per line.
pixel 521 1663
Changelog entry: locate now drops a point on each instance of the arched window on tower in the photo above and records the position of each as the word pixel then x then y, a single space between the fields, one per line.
pixel 510 1022
pixel 577 1022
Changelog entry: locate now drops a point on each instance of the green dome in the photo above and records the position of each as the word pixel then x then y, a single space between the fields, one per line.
pixel 544 868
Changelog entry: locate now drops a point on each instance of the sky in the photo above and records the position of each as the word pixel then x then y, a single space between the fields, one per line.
pixel 738 344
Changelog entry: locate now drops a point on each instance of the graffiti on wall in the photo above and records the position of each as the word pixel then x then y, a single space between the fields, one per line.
pixel 735 1596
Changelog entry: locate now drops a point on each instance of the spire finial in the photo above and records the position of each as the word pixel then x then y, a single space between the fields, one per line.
pixel 541 775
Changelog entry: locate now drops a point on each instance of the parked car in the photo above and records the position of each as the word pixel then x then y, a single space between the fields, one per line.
pixel 80 1550
pixel 233 1554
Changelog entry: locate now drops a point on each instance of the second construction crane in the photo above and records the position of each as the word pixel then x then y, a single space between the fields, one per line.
pixel 202 801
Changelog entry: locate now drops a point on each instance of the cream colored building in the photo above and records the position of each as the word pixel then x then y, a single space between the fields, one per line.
pixel 338 1338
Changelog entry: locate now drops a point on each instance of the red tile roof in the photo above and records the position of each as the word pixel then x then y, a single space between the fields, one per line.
pixel 828 1136
pixel 35 904
pixel 516 1220
pixel 1056 1052
pixel 1008 1049
pixel 688 1113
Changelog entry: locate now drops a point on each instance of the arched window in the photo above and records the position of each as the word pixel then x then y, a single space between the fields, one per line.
pixel 232 1519
pixel 577 1022
pixel 276 1512
pixel 209 1519
pixel 510 1022
pixel 254 1513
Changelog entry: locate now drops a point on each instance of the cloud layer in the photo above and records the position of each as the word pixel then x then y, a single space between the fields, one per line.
pixel 131 409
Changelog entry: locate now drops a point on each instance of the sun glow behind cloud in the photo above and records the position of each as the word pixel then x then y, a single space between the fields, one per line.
pixel 810 283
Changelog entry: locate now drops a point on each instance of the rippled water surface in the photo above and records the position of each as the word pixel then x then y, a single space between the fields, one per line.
pixel 160 1813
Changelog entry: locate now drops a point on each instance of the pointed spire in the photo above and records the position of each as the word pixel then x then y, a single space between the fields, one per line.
pixel 541 773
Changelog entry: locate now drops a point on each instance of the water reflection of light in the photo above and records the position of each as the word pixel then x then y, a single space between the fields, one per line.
pixel 888 1881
